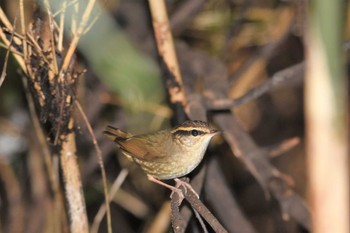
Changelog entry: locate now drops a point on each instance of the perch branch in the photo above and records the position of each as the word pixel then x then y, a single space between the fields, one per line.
pixel 197 205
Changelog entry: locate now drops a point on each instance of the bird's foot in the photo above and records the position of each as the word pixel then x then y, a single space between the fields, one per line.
pixel 173 189
pixel 186 186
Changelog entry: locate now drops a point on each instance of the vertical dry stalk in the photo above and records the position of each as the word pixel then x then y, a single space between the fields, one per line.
pixel 54 94
pixel 327 136
pixel 166 48
pixel 73 185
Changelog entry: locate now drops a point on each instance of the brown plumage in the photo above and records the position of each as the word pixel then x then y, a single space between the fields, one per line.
pixel 166 154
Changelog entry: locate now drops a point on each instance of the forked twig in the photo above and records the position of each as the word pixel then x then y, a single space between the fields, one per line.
pixel 197 205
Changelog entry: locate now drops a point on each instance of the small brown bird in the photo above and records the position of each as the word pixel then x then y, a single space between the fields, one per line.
pixel 166 154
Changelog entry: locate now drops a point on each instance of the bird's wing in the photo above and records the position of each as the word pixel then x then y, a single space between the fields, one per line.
pixel 138 147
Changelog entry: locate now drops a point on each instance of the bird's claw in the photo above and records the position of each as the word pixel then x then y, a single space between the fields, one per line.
pixel 185 185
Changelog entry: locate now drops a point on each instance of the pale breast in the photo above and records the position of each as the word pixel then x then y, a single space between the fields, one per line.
pixel 179 165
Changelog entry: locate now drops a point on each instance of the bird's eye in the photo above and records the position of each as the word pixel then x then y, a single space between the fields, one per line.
pixel 194 133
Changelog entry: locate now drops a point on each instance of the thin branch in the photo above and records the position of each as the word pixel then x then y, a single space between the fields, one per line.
pixel 161 220
pixel 15 208
pixel 61 27
pixel 104 208
pixel 197 205
pixel 76 37
pixel 256 160
pixel 184 14
pixel 4 67
pixel 23 29
pixel 266 52
pixel 282 78
pixel 100 162
pixel 222 201
pixel 283 147
pixel 8 25
pixel 53 64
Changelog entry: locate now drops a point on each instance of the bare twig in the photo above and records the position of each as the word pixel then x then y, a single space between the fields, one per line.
pixel 282 78
pixel 3 72
pixel 100 162
pixel 200 220
pixel 4 67
pixel 197 205
pixel 238 21
pixel 76 37
pixel 283 147
pixel 61 26
pixel 190 195
pixel 268 176
pixel 8 25
pixel 23 29
pixel 15 207
pixel 266 52
pixel 184 14
pixel 223 202
pixel 161 220
pixel 103 208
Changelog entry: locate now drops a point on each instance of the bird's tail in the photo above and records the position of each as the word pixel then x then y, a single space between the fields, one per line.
pixel 113 133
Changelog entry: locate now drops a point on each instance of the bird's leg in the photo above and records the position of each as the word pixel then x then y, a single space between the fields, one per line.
pixel 173 189
pixel 185 185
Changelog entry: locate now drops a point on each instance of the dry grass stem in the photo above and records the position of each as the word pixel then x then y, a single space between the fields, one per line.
pixel 76 37
pixel 131 203
pixel 4 67
pixel 161 220
pixel 100 162
pixel 284 146
pixel 9 26
pixel 114 189
pixel 16 211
